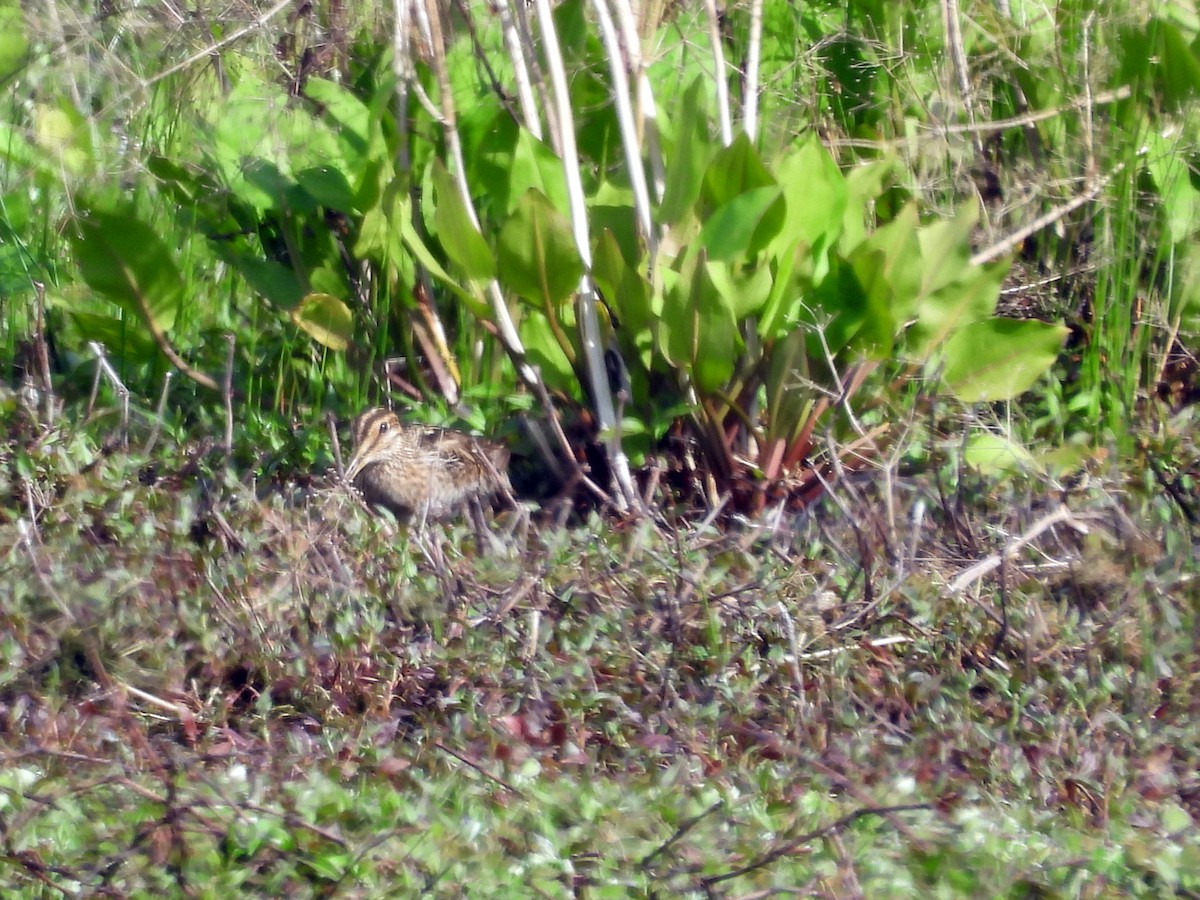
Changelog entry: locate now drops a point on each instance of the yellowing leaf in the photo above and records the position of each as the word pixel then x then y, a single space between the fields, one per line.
pixel 326 319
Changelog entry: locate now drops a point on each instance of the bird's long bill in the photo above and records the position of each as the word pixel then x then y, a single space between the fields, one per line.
pixel 357 462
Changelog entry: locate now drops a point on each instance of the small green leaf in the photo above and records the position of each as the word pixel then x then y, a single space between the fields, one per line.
pixel 993 454
pixel 457 232
pixel 999 359
pixel 326 319
pixel 537 254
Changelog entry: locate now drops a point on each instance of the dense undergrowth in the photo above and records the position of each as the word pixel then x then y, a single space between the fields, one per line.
pixel 898 348
pixel 206 689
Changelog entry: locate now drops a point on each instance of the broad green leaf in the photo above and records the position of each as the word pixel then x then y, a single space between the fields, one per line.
pixel 946 249
pixel 329 278
pixel 790 284
pixel 328 187
pixel 349 115
pixel 326 319
pixel 115 334
pixel 1178 69
pixel 715 336
pixel 735 170
pixel 676 311
pixel 456 232
pixel 1169 165
pixel 535 166
pixel 896 282
pixel 816 195
pixel 489 139
pixel 541 342
pixel 863 184
pixel 127 261
pixel 537 255
pixel 994 454
pixel 958 304
pixel 743 292
pixel 627 295
pixel 854 296
pixel 472 298
pixel 273 280
pixel 876 323
pixel 688 157
pixel 999 359
pixel 739 229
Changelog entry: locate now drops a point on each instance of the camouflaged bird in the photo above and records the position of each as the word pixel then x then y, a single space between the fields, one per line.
pixel 423 472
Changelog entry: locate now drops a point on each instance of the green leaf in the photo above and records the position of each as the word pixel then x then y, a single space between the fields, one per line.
pixel 895 273
pixel 118 335
pixel 535 166
pixel 696 329
pixel 999 359
pixel 1169 166
pixel 958 304
pixel 735 170
pixel 328 187
pixel 127 261
pixel 273 280
pixel 946 249
pixel 744 293
pixel 416 246
pixel 349 115
pixel 64 134
pixel 545 352
pixel 715 339
pixel 627 294
pixel 816 195
pixel 739 229
pixel 993 454
pixel 457 232
pixel 537 255
pixel 688 158
pixel 326 319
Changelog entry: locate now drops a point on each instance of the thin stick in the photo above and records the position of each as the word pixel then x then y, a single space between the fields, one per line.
pixel 958 56
pixel 43 354
pixel 159 412
pixel 211 50
pixel 105 367
pixel 227 393
pixel 1062 515
pixel 1000 248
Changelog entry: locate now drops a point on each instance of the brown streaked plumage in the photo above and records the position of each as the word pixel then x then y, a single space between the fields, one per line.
pixel 419 470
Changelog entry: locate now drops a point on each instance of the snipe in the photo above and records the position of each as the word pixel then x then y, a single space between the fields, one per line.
pixel 424 472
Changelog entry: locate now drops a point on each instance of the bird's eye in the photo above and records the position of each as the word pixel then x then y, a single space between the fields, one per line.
pixel 383 426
